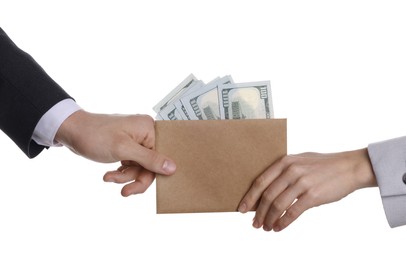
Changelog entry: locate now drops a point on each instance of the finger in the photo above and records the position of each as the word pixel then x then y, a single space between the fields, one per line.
pixel 140 185
pixel 149 140
pixel 148 158
pixel 124 174
pixel 260 184
pixel 281 204
pixel 146 124
pixel 292 213
pixel 291 176
pixel 129 163
pixel 267 199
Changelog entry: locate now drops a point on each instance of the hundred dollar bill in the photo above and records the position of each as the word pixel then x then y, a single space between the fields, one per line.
pixel 179 105
pixel 170 113
pixel 246 100
pixel 176 93
pixel 203 104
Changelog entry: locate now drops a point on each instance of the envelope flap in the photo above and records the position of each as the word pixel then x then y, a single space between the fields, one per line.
pixel 217 160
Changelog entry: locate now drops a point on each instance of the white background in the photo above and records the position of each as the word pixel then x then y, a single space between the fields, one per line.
pixel 337 70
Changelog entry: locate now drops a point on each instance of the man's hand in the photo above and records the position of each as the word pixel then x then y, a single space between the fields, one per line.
pixel 112 138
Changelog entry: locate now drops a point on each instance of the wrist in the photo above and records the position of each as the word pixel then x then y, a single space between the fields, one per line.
pixel 70 128
pixel 362 169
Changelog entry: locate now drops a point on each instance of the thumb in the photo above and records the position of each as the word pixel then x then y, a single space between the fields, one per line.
pixel 149 159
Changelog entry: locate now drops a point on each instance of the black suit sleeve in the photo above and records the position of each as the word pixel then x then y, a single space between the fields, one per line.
pixel 26 94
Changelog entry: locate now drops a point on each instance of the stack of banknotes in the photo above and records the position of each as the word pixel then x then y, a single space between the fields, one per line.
pixel 220 98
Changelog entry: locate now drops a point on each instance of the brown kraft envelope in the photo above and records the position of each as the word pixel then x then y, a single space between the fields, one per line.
pixel 217 161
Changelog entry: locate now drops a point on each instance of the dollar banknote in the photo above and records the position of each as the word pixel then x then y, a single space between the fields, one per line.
pixel 246 100
pixel 175 109
pixel 221 98
pixel 203 104
pixel 179 105
pixel 169 112
pixel 175 93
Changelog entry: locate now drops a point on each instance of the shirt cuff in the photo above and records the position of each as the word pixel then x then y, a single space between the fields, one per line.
pixel 388 159
pixel 48 125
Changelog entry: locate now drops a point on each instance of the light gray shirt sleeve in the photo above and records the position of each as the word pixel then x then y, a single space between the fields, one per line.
pixel 388 160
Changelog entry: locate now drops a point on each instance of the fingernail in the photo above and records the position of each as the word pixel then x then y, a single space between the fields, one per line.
pixel 266 228
pixel 169 167
pixel 108 178
pixel 256 224
pixel 276 228
pixel 242 208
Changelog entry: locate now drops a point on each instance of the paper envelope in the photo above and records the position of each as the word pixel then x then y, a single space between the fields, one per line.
pixel 217 161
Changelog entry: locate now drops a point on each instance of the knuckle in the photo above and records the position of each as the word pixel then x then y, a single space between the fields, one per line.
pixel 140 120
pixel 304 182
pixel 146 118
pixel 268 196
pixel 259 182
pixel 294 170
pixel 313 195
pixel 155 159
pixel 132 118
pixel 277 206
pixel 286 160
pixel 292 213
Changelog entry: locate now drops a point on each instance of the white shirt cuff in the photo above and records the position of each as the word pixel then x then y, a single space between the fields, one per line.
pixel 48 125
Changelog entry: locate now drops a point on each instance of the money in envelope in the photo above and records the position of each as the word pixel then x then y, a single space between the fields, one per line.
pixel 217 160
